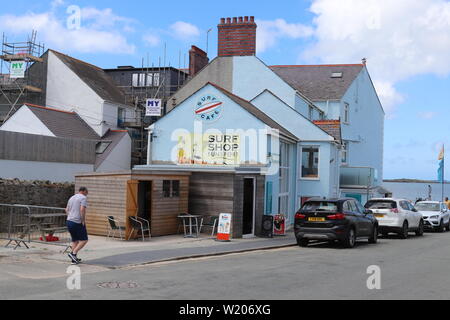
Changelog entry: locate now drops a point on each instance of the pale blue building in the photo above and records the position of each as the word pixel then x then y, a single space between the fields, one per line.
pixel 297 131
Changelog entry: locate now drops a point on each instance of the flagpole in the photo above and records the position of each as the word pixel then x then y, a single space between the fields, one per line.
pixel 443 173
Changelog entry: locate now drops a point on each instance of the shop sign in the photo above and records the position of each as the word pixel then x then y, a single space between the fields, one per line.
pixel 209 149
pixel 224 229
pixel 279 225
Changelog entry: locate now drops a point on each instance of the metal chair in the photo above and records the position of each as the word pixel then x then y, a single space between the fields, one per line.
pixel 211 222
pixel 115 226
pixel 140 224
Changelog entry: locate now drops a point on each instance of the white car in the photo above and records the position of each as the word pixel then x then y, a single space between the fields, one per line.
pixel 435 215
pixel 396 216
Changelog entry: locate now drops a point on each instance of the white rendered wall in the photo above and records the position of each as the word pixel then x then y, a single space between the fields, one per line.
pixel 119 159
pixel 25 121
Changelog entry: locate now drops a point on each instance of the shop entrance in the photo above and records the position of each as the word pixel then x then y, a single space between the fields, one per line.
pixel 145 200
pixel 248 222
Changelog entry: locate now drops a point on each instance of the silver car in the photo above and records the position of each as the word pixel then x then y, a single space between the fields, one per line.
pixel 435 215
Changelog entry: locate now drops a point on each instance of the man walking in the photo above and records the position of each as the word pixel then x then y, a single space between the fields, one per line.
pixel 447 202
pixel 76 223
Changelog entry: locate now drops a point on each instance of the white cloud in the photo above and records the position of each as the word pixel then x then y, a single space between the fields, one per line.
pixel 427 115
pixel 270 32
pixel 184 30
pixel 401 39
pixel 99 36
pixel 151 40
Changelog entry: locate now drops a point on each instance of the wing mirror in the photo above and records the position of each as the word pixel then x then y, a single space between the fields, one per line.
pixel 369 212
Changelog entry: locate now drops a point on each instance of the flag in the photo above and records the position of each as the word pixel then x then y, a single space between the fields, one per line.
pixel 441 165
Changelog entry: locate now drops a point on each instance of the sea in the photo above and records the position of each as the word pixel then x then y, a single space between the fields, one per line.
pixel 413 191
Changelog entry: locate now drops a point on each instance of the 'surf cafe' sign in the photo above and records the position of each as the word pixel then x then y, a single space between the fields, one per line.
pixel 208 108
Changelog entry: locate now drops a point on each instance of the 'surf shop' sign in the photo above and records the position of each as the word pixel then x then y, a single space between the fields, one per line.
pixel 223 147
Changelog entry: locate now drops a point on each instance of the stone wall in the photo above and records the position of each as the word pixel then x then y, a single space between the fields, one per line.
pixel 37 193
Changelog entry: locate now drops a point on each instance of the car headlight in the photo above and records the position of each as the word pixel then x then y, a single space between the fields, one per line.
pixel 434 217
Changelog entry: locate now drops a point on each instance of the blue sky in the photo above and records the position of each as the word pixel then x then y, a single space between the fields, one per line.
pixel 406 42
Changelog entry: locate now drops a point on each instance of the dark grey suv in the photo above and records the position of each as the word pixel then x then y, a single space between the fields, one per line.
pixel 343 220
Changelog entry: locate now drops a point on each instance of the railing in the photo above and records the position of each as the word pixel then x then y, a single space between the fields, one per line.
pixel 23 224
pixel 358 177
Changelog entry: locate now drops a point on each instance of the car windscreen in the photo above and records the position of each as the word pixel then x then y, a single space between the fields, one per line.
pixel 428 207
pixel 319 206
pixel 381 204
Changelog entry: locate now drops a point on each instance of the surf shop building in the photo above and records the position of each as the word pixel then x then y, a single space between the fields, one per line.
pixel 246 140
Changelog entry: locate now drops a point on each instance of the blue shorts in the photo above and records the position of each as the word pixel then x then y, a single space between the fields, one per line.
pixel 77 231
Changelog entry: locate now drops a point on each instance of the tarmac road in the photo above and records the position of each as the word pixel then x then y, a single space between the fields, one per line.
pixel 417 268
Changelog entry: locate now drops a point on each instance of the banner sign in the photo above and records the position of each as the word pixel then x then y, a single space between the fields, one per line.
pixel 209 149
pixel 17 69
pixel 280 225
pixel 224 229
pixel 153 108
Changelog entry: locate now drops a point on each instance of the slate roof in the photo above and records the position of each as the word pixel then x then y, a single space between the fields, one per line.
pixel 97 79
pixel 332 127
pixel 256 112
pixel 316 81
pixel 64 124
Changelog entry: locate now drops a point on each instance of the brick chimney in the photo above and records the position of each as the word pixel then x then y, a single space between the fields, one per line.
pixel 237 37
pixel 198 59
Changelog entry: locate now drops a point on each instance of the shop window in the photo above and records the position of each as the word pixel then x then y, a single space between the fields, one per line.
pixel 171 188
pixel 346 113
pixel 310 163
pixel 345 153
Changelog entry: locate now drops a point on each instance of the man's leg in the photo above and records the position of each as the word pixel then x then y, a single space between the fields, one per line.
pixel 80 245
pixel 74 244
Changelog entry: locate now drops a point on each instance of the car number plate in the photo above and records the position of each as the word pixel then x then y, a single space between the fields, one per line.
pixel 316 219
pixel 379 215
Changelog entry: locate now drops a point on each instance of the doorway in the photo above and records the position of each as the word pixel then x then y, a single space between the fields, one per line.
pixel 248 223
pixel 145 200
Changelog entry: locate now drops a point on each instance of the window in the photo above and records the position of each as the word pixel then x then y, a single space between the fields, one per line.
pixel 311 113
pixel 344 152
pixel 320 206
pixel 156 79
pixel 347 113
pixel 102 146
pixel 149 79
pixel 135 81
pixel 171 188
pixel 310 163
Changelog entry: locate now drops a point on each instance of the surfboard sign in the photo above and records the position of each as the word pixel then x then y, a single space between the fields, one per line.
pixel 208 108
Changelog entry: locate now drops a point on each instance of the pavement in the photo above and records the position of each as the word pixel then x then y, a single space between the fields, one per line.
pixel 115 253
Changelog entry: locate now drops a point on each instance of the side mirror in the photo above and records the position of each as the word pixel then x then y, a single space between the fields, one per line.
pixel 369 212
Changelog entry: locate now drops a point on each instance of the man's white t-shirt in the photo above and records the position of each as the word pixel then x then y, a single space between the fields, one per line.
pixel 74 208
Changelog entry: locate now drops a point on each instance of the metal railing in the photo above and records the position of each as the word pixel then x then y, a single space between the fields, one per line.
pixel 23 224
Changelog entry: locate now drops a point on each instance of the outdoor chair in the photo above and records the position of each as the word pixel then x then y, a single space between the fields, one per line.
pixel 210 222
pixel 115 226
pixel 140 224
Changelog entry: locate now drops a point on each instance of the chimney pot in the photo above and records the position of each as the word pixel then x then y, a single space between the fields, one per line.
pixel 252 19
pixel 246 19
pixel 241 19
pixel 222 20
pixel 228 20
pixel 235 20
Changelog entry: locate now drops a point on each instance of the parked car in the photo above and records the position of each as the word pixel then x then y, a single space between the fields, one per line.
pixel 435 215
pixel 343 220
pixel 396 216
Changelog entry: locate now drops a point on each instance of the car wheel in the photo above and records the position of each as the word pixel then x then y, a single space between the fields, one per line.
pixel 350 240
pixel 374 238
pixel 441 227
pixel 303 242
pixel 385 234
pixel 420 231
pixel 404 231
pixel 448 226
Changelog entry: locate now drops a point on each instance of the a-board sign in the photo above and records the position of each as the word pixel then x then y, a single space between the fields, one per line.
pixel 224 228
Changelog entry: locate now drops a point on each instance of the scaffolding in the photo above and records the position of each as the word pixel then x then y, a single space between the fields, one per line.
pixel 17 89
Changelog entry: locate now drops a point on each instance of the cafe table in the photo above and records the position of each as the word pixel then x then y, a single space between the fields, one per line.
pixel 188 225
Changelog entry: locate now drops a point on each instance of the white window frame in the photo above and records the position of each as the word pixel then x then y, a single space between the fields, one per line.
pixel 301 163
pixel 344 153
pixel 346 113
pixel 311 113
pixel 285 195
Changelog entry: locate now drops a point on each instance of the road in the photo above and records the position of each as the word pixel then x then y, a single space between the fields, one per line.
pixel 417 268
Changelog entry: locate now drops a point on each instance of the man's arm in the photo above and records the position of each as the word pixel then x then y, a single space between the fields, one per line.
pixel 83 215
